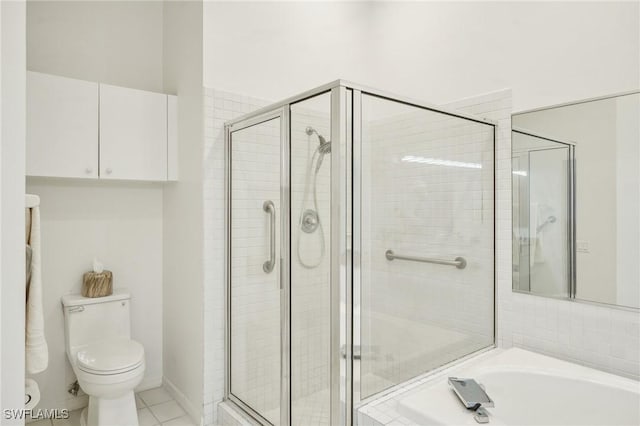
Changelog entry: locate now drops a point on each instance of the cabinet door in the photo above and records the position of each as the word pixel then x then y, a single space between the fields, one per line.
pixel 133 134
pixel 62 127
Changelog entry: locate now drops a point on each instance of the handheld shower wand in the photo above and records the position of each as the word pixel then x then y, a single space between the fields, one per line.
pixel 310 218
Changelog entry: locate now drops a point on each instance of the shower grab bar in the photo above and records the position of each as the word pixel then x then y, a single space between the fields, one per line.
pixel 458 262
pixel 270 208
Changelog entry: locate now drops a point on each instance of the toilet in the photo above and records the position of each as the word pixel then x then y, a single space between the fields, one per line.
pixel 106 361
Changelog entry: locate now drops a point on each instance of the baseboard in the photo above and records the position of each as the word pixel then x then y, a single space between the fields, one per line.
pixel 183 401
pixel 149 383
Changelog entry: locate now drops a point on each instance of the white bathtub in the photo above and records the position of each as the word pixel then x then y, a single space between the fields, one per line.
pixel 528 389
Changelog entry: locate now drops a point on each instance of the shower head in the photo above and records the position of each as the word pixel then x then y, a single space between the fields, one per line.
pixel 324 146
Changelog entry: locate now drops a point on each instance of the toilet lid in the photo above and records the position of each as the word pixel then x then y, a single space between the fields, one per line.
pixel 110 356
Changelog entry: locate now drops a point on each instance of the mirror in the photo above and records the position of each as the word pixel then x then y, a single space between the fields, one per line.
pixel 576 200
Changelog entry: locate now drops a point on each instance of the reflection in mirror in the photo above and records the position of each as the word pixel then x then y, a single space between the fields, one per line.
pixel 606 180
pixel 542 214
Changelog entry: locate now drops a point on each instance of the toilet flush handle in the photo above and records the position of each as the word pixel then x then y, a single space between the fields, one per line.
pixel 74 309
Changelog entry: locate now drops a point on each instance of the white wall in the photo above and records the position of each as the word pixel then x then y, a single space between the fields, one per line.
pixel 115 42
pixel 120 222
pixel 547 52
pixel 12 273
pixel 183 210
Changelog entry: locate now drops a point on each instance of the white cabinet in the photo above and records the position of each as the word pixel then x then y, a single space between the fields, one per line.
pixel 79 129
pixel 133 134
pixel 62 127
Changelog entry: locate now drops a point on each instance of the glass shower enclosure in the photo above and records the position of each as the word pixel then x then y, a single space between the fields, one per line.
pixel 360 249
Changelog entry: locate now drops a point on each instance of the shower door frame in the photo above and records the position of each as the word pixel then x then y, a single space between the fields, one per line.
pixel 346 146
pixel 282 113
pixel 341 119
pixel 571 208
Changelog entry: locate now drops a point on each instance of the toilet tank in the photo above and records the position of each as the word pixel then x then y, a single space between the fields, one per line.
pixel 87 319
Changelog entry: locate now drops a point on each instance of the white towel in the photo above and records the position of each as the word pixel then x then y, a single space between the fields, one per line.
pixel 37 354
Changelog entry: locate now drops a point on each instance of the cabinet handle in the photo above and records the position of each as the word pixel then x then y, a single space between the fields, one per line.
pixel 88 170
pixel 108 170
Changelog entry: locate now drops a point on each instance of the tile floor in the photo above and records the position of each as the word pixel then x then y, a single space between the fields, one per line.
pixel 156 407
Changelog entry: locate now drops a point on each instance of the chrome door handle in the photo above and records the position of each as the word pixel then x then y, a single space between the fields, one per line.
pixel 270 208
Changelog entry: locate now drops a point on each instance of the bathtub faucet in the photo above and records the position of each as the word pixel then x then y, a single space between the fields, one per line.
pixel 473 397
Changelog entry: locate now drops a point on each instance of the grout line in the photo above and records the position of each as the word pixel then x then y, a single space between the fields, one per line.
pixel 158 422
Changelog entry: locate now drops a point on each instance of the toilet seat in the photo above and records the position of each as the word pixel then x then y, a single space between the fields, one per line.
pixel 110 356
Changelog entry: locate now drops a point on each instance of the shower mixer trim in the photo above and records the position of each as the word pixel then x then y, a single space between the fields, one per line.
pixel 310 221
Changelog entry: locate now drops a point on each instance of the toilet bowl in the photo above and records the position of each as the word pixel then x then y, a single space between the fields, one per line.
pixel 107 362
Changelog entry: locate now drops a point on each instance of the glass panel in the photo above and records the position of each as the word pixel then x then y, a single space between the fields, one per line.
pixel 427 192
pixel 310 260
pixel 541 196
pixel 255 291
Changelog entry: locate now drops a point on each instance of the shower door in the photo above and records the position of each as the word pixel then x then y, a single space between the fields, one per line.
pixel 287 261
pixel 257 268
